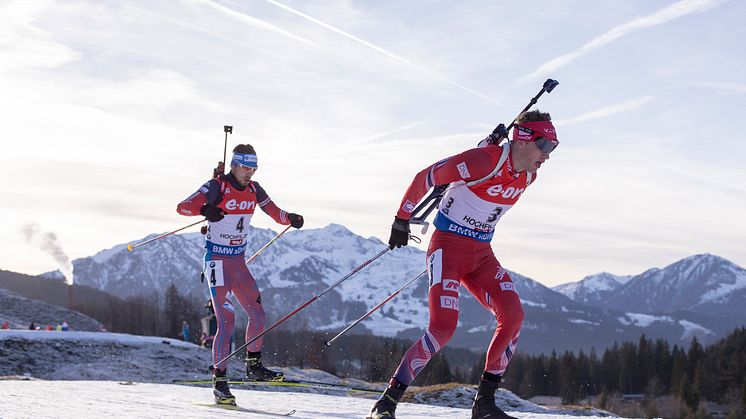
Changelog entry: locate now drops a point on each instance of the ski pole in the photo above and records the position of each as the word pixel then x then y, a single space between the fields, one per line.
pixel 266 245
pixel 131 247
pixel 498 134
pixel 300 307
pixel 364 316
pixel 228 129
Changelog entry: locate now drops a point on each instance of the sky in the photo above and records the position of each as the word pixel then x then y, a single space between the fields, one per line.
pixel 111 113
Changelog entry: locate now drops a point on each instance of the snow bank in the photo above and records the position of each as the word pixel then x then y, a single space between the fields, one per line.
pixel 92 336
pixel 111 399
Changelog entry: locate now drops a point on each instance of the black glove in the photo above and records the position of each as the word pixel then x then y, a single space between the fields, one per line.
pixel 212 213
pixel 296 220
pixel 399 233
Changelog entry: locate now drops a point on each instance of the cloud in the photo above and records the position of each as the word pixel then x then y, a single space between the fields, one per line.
pixel 385 52
pixel 24 45
pixel 669 13
pixel 679 169
pixel 722 88
pixel 607 111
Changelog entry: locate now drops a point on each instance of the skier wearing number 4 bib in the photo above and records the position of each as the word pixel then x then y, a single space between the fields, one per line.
pixel 228 202
pixel 460 254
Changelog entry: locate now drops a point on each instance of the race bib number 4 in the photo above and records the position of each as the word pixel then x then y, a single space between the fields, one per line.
pixel 214 273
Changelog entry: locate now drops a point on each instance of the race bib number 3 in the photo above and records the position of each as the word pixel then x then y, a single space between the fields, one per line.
pixel 214 273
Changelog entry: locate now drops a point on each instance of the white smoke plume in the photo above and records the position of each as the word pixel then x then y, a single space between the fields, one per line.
pixel 47 241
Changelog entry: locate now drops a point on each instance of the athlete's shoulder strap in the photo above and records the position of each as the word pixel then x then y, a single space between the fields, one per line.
pixel 503 158
pixel 216 197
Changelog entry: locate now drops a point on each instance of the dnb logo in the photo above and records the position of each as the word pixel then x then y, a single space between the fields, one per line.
pixel 212 264
pixel 236 242
pixel 449 302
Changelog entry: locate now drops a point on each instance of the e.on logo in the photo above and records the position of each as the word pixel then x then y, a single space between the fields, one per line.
pixel 508 193
pixel 243 205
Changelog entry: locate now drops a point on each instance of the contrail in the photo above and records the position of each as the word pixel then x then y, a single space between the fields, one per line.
pixel 607 111
pixel 671 12
pixel 385 52
pixel 48 242
pixel 355 143
pixel 256 22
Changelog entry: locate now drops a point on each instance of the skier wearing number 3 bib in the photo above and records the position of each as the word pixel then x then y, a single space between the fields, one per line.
pixel 228 202
pixel 460 254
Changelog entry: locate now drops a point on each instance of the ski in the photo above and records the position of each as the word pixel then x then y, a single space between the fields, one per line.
pixel 246 410
pixel 286 383
pixel 310 384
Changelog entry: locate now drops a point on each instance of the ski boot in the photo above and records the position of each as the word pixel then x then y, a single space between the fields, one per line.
pixel 221 390
pixel 256 371
pixel 385 407
pixel 484 403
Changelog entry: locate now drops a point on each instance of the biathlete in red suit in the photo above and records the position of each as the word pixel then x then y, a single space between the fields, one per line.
pixel 460 254
pixel 228 202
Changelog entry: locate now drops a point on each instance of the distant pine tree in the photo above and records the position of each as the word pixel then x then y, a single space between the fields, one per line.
pixel 689 395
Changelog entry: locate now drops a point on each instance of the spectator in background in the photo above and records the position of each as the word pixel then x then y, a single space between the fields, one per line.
pixel 6 325
pixel 48 328
pixel 185 330
pixel 32 326
pixel 58 328
pixel 65 326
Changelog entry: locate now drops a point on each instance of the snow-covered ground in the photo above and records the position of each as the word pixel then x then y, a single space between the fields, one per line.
pixel 50 375
pixel 99 399
pixel 111 399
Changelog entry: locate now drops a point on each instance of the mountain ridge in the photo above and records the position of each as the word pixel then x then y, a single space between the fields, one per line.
pixel 305 262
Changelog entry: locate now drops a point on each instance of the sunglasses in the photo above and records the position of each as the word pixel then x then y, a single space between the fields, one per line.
pixel 544 145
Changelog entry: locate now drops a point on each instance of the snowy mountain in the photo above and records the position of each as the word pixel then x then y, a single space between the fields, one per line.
pixel 301 264
pixel 704 284
pixel 305 262
pixel 593 289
